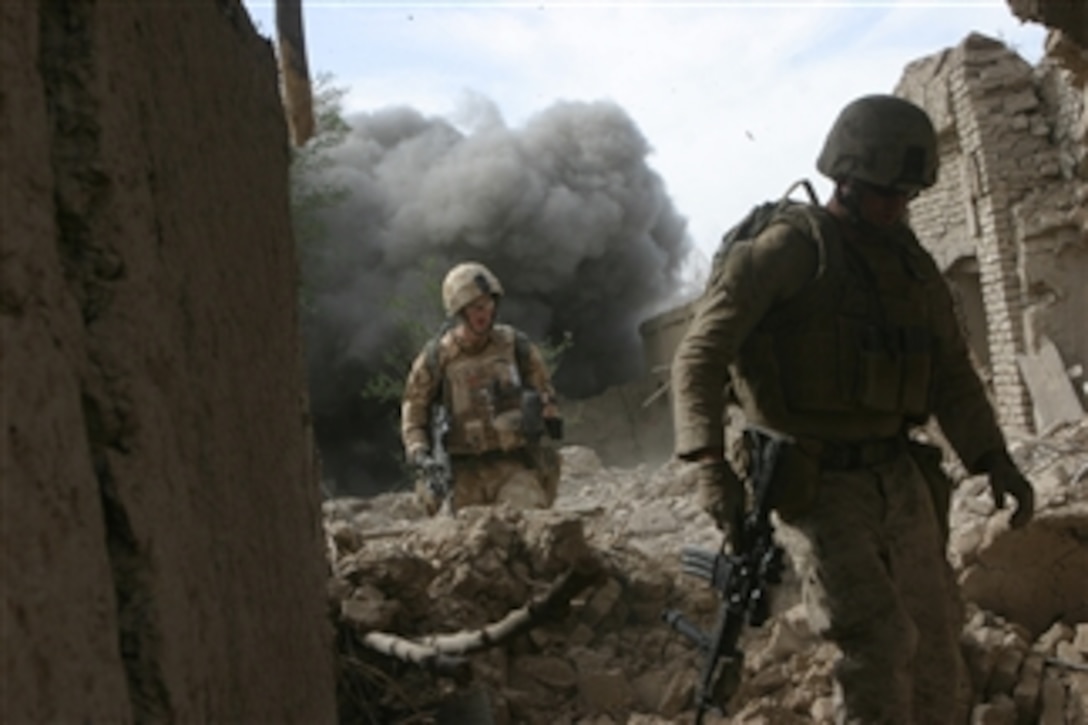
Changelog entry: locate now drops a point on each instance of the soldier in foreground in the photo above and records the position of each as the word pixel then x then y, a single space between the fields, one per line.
pixel 480 394
pixel 834 329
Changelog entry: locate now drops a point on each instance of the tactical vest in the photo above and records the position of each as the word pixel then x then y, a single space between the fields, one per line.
pixel 850 356
pixel 483 392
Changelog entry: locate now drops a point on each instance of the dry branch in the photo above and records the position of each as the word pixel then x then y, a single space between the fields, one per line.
pixel 432 649
pixel 415 653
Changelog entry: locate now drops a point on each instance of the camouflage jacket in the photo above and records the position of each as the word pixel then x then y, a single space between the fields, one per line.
pixel 481 389
pixel 830 338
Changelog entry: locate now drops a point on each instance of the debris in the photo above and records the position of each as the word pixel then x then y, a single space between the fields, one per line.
pixel 599 568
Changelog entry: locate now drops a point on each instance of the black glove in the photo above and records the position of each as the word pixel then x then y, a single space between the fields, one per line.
pixel 1005 478
pixel 721 494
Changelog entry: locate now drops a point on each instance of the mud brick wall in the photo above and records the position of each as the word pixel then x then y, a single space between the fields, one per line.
pixel 160 534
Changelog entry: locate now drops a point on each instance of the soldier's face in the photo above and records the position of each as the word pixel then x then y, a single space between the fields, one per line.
pixel 479 314
pixel 881 206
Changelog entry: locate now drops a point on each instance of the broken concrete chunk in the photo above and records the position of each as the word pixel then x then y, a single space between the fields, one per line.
pixel 602 601
pixel 1029 689
pixel 1053 699
pixel 555 672
pixel 1006 668
pixel 1000 711
pixel 606 690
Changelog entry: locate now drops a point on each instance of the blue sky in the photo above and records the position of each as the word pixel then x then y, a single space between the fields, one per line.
pixel 734 97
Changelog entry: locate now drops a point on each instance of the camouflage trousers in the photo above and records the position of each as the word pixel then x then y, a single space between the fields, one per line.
pixel 875 581
pixel 526 478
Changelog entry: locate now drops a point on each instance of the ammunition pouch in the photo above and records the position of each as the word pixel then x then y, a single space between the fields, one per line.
pixel 532 415
pixel 893 369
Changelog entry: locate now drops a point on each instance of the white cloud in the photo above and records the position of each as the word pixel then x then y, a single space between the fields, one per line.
pixel 734 98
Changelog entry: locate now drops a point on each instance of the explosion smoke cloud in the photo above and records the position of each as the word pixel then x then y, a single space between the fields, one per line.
pixel 566 211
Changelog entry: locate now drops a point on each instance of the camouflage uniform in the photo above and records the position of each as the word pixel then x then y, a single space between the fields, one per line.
pixel 843 338
pixel 836 329
pixel 492 460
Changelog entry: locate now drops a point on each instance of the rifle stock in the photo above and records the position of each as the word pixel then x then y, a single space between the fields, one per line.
pixel 742 580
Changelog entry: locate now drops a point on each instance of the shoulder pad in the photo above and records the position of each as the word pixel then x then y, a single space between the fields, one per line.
pixel 763 215
pixel 438 350
pixel 813 222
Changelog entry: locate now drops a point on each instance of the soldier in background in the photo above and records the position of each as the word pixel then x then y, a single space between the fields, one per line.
pixel 494 386
pixel 834 328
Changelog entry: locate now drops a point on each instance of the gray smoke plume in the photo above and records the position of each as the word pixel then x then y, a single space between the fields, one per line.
pixel 565 211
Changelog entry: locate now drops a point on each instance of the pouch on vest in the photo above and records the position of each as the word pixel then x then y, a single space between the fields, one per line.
pixel 917 346
pixel 893 373
pixel 532 415
pixel 880 371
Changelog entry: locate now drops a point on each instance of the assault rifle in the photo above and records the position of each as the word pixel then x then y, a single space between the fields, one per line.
pixel 742 580
pixel 436 470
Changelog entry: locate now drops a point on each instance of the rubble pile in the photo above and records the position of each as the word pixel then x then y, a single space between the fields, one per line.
pixel 1040 574
pixel 607 656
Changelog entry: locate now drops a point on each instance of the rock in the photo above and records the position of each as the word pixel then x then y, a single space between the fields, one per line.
pixel 822 710
pixel 555 672
pixel 1000 711
pixel 1078 696
pixel 368 610
pixel 1029 689
pixel 650 688
pixel 1080 639
pixel 1003 676
pixel 787 637
pixel 606 690
pixel 1053 699
pixel 1048 641
pixel 602 602
pixel 678 693
pixel 609 657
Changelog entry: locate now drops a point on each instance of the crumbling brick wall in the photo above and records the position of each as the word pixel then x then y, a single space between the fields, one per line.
pixel 1007 202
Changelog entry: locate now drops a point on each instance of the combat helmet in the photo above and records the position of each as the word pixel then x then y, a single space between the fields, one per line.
pixel 883 140
pixel 465 282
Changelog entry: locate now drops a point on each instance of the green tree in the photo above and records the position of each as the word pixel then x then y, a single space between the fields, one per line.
pixel 416 321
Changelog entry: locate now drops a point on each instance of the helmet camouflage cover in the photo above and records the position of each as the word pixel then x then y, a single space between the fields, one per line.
pixel 883 140
pixel 466 282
